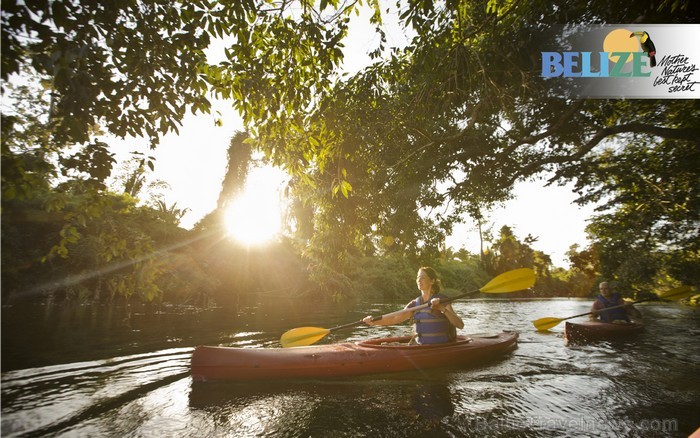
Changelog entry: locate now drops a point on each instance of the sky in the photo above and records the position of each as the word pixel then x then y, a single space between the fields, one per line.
pixel 193 163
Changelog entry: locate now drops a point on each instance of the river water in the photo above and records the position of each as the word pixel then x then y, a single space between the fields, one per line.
pixel 87 372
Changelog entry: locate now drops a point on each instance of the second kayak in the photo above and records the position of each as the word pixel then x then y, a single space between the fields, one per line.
pixel 385 355
pixel 596 330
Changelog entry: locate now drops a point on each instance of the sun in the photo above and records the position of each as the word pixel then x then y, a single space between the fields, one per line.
pixel 255 217
pixel 253 221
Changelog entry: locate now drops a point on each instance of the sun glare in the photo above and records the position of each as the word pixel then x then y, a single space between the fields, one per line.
pixel 255 217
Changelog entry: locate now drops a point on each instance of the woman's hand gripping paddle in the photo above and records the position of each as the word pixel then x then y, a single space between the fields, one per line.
pixel 544 324
pixel 511 281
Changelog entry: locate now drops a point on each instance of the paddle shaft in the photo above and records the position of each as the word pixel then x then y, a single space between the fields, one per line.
pixel 623 305
pixel 402 311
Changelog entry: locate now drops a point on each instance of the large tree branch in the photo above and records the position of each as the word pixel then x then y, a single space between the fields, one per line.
pixel 687 134
pixel 555 127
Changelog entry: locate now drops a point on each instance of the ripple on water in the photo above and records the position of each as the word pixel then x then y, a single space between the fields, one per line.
pixel 55 397
pixel 537 405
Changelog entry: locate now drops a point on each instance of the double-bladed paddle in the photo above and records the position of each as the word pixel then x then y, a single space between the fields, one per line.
pixel 544 324
pixel 511 281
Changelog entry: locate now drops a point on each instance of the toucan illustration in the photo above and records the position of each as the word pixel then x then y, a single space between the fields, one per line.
pixel 647 46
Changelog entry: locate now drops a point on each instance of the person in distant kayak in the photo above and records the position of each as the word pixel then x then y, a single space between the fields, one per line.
pixel 608 298
pixel 435 324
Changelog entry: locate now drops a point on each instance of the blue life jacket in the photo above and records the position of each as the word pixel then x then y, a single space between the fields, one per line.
pixel 614 314
pixel 432 326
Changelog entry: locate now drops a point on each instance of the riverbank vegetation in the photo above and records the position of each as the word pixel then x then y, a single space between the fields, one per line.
pixel 382 163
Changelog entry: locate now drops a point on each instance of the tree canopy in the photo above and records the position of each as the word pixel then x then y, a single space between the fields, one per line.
pixel 384 161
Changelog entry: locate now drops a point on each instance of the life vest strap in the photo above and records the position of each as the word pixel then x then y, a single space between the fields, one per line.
pixel 426 320
pixel 430 335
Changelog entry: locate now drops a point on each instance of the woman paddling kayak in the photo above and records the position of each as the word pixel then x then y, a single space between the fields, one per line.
pixel 433 325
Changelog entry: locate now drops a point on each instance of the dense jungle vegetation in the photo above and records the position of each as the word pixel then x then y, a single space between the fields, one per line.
pixel 454 119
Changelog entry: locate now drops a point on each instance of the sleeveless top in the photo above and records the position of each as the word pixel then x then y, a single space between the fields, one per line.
pixel 614 314
pixel 431 326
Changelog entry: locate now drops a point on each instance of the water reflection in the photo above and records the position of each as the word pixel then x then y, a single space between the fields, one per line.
pixel 432 402
pixel 324 408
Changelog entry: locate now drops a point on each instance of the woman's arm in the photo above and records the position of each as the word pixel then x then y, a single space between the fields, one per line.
pixel 448 311
pixel 390 319
pixel 452 316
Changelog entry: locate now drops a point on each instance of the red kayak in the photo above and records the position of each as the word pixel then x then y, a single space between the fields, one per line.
pixel 385 355
pixel 596 330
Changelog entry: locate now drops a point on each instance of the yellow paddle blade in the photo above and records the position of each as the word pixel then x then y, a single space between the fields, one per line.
pixel 544 324
pixel 677 293
pixel 299 337
pixel 511 281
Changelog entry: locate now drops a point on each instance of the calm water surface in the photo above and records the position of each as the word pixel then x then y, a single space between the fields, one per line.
pixel 128 376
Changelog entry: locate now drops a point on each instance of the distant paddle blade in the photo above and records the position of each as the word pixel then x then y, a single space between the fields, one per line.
pixel 677 293
pixel 544 324
pixel 511 281
pixel 302 336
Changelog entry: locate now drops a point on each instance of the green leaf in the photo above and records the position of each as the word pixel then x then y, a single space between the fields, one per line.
pixel 346 188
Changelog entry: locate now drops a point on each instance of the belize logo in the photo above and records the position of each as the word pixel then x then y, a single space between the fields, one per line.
pixel 623 61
